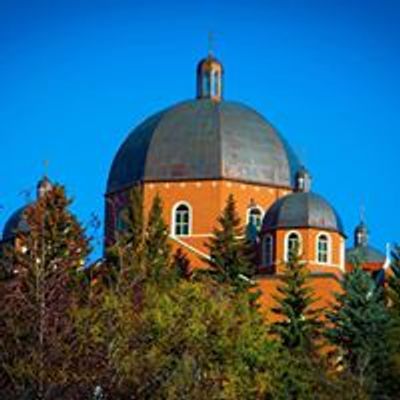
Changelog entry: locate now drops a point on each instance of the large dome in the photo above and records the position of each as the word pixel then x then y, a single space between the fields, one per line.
pixel 302 210
pixel 204 139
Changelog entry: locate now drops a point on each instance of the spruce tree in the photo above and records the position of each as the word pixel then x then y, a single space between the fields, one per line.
pixel 230 255
pixel 299 323
pixel 182 264
pixel 35 327
pixel 125 256
pixel 358 323
pixel 157 250
pixel 393 331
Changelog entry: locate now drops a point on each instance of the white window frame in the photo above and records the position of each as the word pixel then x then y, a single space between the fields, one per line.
pixel 173 219
pixel 328 250
pixel 266 262
pixel 248 213
pixel 285 255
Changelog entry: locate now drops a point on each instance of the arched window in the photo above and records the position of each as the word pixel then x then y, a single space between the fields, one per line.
pixel 182 220
pixel 293 245
pixel 254 217
pixel 323 249
pixel 215 84
pixel 267 250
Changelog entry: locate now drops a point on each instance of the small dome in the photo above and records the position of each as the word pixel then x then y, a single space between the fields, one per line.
pixel 15 224
pixel 302 210
pixel 204 139
pixel 365 254
pixel 362 252
pixel 208 64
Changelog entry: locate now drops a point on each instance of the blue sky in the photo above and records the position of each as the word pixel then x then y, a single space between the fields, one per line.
pixel 77 76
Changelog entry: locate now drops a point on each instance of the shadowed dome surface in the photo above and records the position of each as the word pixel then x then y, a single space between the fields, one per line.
pixel 302 210
pixel 365 254
pixel 204 139
pixel 15 224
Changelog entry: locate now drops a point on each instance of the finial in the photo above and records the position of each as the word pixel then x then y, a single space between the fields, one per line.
pixel 46 167
pixel 210 43
pixel 362 214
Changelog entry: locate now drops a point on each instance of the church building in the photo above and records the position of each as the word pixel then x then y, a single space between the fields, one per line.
pixel 195 154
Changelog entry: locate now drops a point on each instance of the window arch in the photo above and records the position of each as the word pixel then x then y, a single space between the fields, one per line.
pixel 267 250
pixel 254 217
pixel 293 245
pixel 323 248
pixel 182 220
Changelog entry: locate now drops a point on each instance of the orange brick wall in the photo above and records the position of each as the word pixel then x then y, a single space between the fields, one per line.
pixel 208 199
pixel 309 253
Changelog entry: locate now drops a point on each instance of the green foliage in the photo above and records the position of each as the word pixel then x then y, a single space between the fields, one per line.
pixel 182 264
pixel 126 254
pixel 299 323
pixel 359 321
pixel 393 331
pixel 230 255
pixel 157 253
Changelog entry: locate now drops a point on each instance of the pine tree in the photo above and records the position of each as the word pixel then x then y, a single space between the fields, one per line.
pixel 299 323
pixel 230 255
pixel 182 264
pixel 393 331
pixel 358 323
pixel 157 250
pixel 36 327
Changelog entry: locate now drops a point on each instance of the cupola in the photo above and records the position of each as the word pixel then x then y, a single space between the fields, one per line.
pixel 303 180
pixel 209 78
pixel 361 235
pixel 43 187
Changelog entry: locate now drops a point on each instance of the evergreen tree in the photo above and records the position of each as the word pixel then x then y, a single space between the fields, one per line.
pixel 358 322
pixel 35 327
pixel 182 264
pixel 393 331
pixel 299 323
pixel 126 254
pixel 157 250
pixel 230 255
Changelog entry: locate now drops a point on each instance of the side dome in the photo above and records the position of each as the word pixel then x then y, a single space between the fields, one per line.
pixel 15 224
pixel 302 210
pixel 204 139
pixel 362 252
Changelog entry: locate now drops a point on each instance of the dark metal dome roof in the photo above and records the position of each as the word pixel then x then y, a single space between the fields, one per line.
pixel 204 139
pixel 302 210
pixel 15 224
pixel 365 254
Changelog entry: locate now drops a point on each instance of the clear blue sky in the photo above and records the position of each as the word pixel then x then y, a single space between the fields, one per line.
pixel 77 76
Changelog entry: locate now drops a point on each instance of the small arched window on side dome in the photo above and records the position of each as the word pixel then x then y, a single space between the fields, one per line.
pixel 254 217
pixel 267 250
pixel 323 249
pixel 182 220
pixel 293 245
